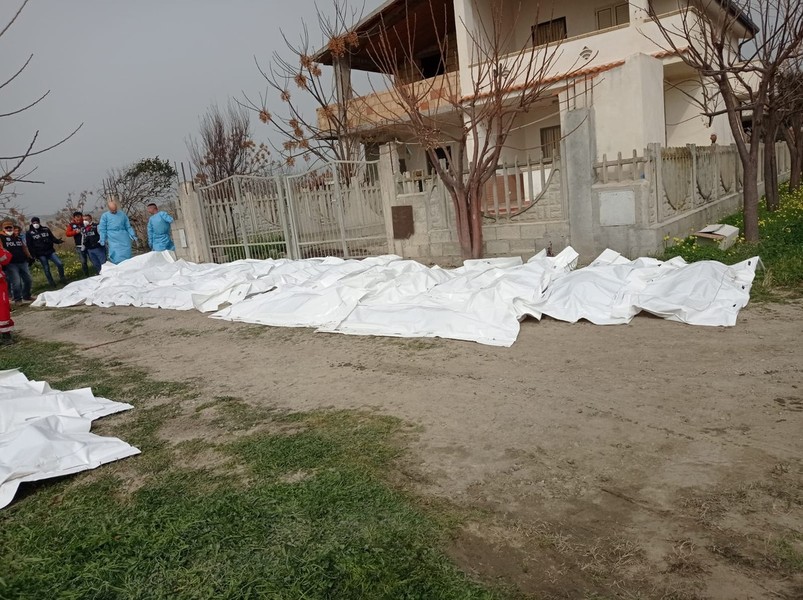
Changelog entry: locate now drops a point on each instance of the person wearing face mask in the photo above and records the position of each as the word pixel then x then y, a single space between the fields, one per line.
pixel 73 230
pixel 116 231
pixel 96 252
pixel 40 243
pixel 17 272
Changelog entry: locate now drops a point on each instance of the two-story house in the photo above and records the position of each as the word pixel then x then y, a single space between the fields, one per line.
pixel 609 55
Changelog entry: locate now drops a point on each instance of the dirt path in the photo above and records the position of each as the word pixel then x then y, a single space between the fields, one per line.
pixel 648 460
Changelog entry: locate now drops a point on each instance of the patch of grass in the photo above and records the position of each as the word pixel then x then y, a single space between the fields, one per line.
pixel 72 269
pixel 314 517
pixel 788 554
pixel 780 248
pixel 234 414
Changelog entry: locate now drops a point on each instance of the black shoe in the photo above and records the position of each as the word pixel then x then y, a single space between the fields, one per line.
pixel 6 339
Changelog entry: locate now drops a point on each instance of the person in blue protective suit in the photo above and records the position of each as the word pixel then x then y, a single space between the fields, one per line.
pixel 159 235
pixel 116 232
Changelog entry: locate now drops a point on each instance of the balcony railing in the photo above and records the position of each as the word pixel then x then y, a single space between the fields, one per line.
pixel 383 108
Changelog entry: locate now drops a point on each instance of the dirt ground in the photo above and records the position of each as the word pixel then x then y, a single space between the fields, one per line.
pixel 654 460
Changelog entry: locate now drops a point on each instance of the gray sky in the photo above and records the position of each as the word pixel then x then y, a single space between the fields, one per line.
pixel 137 74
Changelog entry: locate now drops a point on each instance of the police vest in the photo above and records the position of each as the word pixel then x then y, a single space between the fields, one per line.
pixel 41 243
pixel 15 246
pixel 91 236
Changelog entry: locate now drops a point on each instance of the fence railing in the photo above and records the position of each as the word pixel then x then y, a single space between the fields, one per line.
pixel 684 178
pixel 513 190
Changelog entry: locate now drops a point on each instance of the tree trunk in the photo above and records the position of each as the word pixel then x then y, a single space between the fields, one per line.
pixel 795 143
pixel 461 209
pixel 771 163
pixel 771 177
pixel 797 169
pixel 476 225
pixel 750 192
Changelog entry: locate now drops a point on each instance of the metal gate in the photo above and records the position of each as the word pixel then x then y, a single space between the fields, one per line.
pixel 245 217
pixel 334 210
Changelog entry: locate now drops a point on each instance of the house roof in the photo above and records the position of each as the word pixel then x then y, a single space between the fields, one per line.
pixel 392 12
pixel 429 19
pixel 742 17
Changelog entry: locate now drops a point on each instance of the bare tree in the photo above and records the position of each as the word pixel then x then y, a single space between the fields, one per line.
pixel 742 59
pixel 16 168
pixel 473 118
pixel 226 146
pixel 133 187
pixel 298 82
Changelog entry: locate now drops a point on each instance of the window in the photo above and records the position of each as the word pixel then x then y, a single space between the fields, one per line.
pixel 371 151
pixel 432 65
pixel 442 154
pixel 549 32
pixel 550 141
pixel 613 15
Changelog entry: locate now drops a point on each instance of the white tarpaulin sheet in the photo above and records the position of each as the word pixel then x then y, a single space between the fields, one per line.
pixel 45 432
pixel 482 301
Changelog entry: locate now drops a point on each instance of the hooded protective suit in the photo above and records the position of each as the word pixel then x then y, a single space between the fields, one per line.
pixel 159 237
pixel 116 231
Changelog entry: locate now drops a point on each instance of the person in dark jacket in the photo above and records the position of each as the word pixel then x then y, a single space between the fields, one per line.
pixel 40 244
pixel 73 230
pixel 17 272
pixel 96 252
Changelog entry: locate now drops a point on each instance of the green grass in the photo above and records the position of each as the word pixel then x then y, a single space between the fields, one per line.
pixel 72 269
pixel 780 248
pixel 297 505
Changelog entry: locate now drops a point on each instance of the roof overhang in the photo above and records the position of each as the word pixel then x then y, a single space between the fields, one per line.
pixel 417 23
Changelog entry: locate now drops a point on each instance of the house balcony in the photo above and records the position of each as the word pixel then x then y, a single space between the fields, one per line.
pixel 382 109
pixel 591 53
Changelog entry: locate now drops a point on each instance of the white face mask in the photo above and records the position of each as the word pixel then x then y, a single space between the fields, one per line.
pixel 86 223
pixel 36 225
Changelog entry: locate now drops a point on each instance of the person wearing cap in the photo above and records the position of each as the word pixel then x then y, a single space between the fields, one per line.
pixel 6 322
pixel 116 231
pixel 17 271
pixel 73 230
pixel 159 235
pixel 40 242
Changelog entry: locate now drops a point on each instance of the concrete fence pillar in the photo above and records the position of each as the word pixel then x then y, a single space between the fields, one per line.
pixel 388 167
pixel 192 230
pixel 578 162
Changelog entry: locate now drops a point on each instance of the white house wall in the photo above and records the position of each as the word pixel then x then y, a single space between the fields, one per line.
pixel 525 139
pixel 629 106
pixel 684 123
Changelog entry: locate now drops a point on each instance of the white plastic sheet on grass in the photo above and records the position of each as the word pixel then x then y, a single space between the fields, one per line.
pixel 482 301
pixel 45 432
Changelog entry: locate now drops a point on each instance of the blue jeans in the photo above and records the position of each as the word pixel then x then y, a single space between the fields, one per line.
pixel 82 257
pixel 97 256
pixel 45 262
pixel 19 280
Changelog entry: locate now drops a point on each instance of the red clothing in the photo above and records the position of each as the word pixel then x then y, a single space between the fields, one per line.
pixel 74 230
pixel 6 323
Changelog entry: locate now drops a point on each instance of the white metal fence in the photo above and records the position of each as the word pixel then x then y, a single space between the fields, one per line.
pixel 334 210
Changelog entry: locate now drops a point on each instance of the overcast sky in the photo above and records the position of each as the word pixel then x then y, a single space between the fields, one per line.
pixel 137 73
